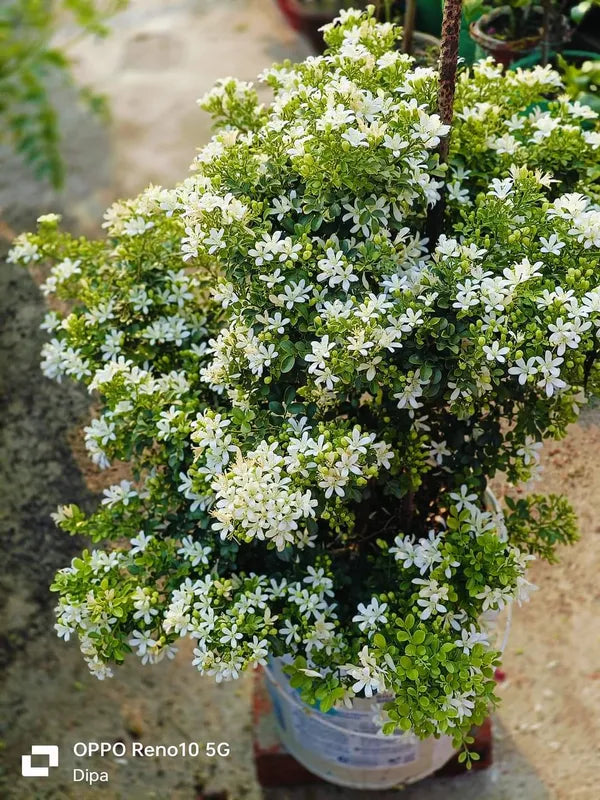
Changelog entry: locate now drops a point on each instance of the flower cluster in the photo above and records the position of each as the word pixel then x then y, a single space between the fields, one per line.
pixel 313 396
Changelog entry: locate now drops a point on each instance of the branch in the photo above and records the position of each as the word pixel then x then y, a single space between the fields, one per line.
pixel 409 25
pixel 448 60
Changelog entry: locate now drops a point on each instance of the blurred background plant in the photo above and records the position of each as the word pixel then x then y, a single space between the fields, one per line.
pixel 33 64
pixel 526 24
pixel 582 82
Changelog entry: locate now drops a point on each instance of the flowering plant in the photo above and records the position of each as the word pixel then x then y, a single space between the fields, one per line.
pixel 312 396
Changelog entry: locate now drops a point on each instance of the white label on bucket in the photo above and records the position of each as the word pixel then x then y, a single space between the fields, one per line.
pixel 348 747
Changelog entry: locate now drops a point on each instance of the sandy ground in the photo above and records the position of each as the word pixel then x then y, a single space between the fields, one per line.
pixel 161 57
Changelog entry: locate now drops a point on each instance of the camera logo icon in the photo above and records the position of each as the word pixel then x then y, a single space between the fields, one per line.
pixel 49 750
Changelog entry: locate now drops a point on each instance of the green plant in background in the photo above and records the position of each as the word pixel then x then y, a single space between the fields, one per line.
pixel 582 83
pixel 523 17
pixel 32 66
pixel 312 396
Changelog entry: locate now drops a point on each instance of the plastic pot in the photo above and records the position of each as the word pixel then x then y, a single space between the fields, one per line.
pixel 505 51
pixel 569 55
pixel 344 746
pixel 429 16
pixel 307 20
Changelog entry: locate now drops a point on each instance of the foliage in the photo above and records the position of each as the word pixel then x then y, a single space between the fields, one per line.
pixel 582 82
pixel 32 66
pixel 313 399
pixel 537 524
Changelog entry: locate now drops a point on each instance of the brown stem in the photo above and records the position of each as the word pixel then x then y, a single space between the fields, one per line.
pixel 410 12
pixel 448 60
pixel 410 511
pixel 546 31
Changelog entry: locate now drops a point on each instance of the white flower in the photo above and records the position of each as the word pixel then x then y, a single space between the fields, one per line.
pixel 495 352
pixel 335 270
pixel 368 676
pixel 438 451
pixel 523 369
pixel 259 650
pixel 567 333
pixel 457 193
pixel 49 218
pixel 463 704
pixel 427 552
pixel 291 632
pixel 469 638
pixel 592 138
pixel 530 451
pixel 355 137
pixel 523 590
pixel 23 251
pixel 404 550
pixel 321 350
pixel 142 602
pixel 504 145
pixel 136 226
pixel 231 636
pixel 430 129
pixel 139 543
pixel 295 292
pixel 64 631
pixel 494 599
pixel 369 617
pixel 142 642
pixel 549 370
pixel 213 241
pixel 545 124
pixel 335 117
pixel 552 245
pixel 501 188
pixel 413 390
pixel 333 480
pixel 395 143
pixel 462 498
pixel 194 551
pixel 119 493
pixel 431 597
pixel 568 206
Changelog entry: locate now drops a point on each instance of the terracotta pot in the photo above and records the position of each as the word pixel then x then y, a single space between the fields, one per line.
pixel 506 51
pixel 307 20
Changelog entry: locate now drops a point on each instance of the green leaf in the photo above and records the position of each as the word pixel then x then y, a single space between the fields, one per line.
pixel 288 363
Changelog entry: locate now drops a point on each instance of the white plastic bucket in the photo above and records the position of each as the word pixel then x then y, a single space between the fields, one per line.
pixel 345 746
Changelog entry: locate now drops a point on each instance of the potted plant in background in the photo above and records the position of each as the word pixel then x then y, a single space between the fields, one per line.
pixel 582 83
pixel 309 16
pixel 546 53
pixel 313 397
pixel 510 31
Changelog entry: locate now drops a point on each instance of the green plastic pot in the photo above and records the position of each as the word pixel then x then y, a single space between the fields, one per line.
pixel 569 55
pixel 429 16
